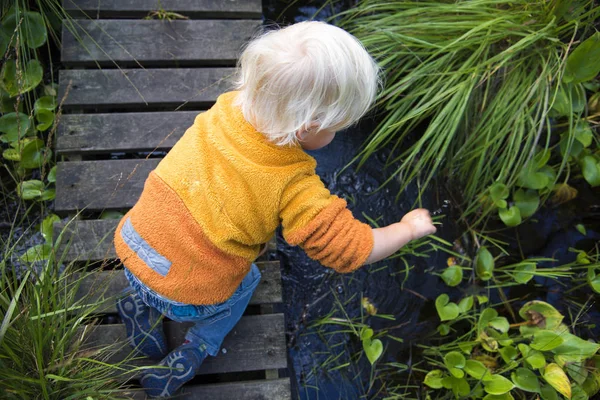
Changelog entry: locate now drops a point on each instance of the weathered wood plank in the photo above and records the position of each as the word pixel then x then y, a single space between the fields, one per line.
pixel 92 240
pixel 127 88
pixel 257 342
pixel 121 132
pixel 129 42
pixel 141 8
pixel 98 185
pixel 276 389
pixel 108 285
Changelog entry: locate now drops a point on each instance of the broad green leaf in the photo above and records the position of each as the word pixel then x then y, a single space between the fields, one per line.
pixel 590 167
pixel 29 78
pixel 527 201
pixel 12 154
pixel 14 125
pixel 484 264
pixel 366 333
pixel 575 149
pixel 583 64
pixel 540 315
pixel 583 133
pixel 52 178
pixel 556 377
pixel 546 340
pixel 35 154
pixel 32 28
pixel 107 214
pixel 482 299
pixel 37 253
pixel 570 99
pixel 446 309
pixel 4 41
pixel 477 370
pixel 525 380
pixel 536 359
pixel 541 158
pixel 505 396
pixel 45 103
pixel 459 386
pixel 577 393
pixel 500 324
pixel 577 371
pixel 465 347
pixel 465 304
pixel 454 359
pixel 433 379
pixel 497 384
pixel 581 229
pixel 45 120
pixel 485 317
pixel 511 216
pixel 524 272
pixel 575 349
pixel 498 191
pixel 508 354
pixel 30 190
pixel 47 226
pixel 550 174
pixel 547 392
pixel 531 178
pixel 48 194
pixel 593 279
pixel 452 275
pixel 443 329
pixel 373 349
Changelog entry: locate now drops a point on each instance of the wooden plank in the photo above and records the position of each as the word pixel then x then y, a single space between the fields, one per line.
pixel 108 285
pixel 277 389
pixel 257 342
pixel 140 88
pixel 121 132
pixel 98 185
pixel 135 42
pixel 141 8
pixel 92 240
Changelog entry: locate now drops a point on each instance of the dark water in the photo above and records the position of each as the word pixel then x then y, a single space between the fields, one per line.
pixel 311 291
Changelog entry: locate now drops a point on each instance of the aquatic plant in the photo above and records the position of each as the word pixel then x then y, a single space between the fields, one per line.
pixel 490 79
pixel 493 359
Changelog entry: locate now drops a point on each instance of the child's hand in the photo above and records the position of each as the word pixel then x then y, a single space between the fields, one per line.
pixel 419 222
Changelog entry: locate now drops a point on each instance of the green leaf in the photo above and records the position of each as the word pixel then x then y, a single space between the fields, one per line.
pixel 508 353
pixel 45 119
pixel 373 349
pixel 48 194
pixel 47 226
pixel 536 359
pixel 30 190
pixel 484 265
pixel 4 41
pixel 498 192
pixel 37 253
pixel 443 329
pixel 574 151
pixel 454 359
pixel 477 370
pixel 452 275
pixel 531 178
pixel 540 315
pixel 556 377
pixel 505 396
pixel 575 349
pixel 497 384
pixel 524 272
pixel 485 317
pixel 583 64
pixel 459 386
pixel 545 340
pixel 511 217
pixel 12 154
pixel 465 304
pixel 593 279
pixel 590 168
pixel 547 392
pixel 500 324
pixel 577 371
pixel 446 310
pixel 45 103
pixel 541 158
pixel 581 229
pixel 525 380
pixel 433 379
pixel 583 133
pixel 14 125
pixel 32 28
pixel 482 299
pixel 35 154
pixel 366 333
pixel 527 201
pixel 30 78
pixel 52 178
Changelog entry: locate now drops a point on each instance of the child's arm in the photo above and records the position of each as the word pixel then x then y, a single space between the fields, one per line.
pixel 387 240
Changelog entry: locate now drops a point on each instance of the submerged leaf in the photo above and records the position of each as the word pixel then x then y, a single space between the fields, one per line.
pixel 563 193
pixel 527 201
pixel 452 275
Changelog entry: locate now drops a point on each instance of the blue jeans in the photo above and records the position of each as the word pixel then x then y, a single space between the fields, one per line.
pixel 211 322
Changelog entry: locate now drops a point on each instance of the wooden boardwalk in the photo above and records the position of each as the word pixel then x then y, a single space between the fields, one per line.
pixel 129 89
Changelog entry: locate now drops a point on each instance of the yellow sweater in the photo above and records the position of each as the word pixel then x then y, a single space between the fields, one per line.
pixel 219 195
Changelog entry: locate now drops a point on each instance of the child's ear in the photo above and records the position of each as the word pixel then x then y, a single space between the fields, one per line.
pixel 301 134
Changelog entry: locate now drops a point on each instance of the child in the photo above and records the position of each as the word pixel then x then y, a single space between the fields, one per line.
pixel 189 243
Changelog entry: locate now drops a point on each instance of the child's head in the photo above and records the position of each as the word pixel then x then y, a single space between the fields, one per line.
pixel 308 77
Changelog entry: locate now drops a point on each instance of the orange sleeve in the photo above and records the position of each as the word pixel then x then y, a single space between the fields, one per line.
pixel 323 226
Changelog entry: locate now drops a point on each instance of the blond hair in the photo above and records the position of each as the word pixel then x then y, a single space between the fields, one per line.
pixel 308 73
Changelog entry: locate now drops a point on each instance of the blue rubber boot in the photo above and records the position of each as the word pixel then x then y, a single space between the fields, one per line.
pixel 180 366
pixel 143 325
